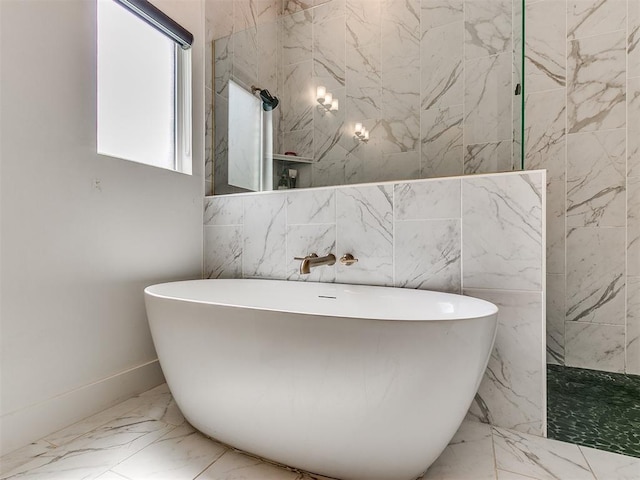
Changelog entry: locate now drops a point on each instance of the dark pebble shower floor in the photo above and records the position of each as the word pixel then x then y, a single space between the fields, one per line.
pixel 595 409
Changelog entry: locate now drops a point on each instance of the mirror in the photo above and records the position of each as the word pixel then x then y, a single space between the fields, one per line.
pixel 373 90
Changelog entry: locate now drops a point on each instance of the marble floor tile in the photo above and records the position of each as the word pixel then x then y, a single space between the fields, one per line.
pixel 469 456
pixel 111 476
pixel 539 457
pixel 137 447
pixel 183 453
pixel 236 466
pixel 607 465
pixel 505 475
pixel 95 452
pixel 17 458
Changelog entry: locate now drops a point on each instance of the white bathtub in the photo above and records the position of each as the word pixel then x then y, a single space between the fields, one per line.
pixel 351 382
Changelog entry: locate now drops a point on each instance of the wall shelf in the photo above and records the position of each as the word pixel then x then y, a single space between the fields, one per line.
pixel 292 158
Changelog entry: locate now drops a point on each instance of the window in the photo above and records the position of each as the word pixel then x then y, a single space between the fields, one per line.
pixel 144 85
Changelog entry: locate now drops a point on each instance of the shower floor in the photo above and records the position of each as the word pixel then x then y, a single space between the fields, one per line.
pixel 595 409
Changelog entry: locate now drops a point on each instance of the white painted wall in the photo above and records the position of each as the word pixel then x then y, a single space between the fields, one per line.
pixel 81 234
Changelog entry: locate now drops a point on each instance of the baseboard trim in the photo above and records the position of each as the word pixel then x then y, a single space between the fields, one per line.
pixel 29 424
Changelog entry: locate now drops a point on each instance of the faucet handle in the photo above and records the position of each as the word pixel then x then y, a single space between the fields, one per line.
pixel 311 255
pixel 348 259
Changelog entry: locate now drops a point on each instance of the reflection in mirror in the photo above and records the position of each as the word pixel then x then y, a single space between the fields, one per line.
pixel 418 89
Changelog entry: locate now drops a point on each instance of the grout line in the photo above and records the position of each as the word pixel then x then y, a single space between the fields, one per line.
pixel 587 462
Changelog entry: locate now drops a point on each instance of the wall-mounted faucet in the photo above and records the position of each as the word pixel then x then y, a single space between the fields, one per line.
pixel 313 260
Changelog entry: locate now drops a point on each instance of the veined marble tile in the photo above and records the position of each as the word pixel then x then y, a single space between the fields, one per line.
pixel 596 173
pixel 292 6
pixel 469 455
pixel 397 134
pixel 401 84
pixel 393 166
pixel 441 50
pixel 223 58
pixel 488 157
pixel 586 18
pixel 363 22
pixel 556 228
pixel 504 475
pixel 223 210
pixel 268 57
pixel 267 11
pixel 441 149
pixel 633 39
pixel 546 45
pixel 298 97
pixel 596 83
pixel 633 326
pixel 599 347
pixel 328 146
pixel 329 57
pixel 111 476
pixel 181 453
pixel 427 255
pixel 208 133
pixel 633 226
pixel 633 123
pixel 545 132
pixel 512 391
pixel 595 275
pixel 244 15
pixel 78 429
pixel 487 27
pixel 158 404
pixel 400 54
pixel 95 452
pixel 311 206
pixel 538 457
pixel 297 37
pixel 303 240
pixel 223 251
pixel 435 13
pixel 264 250
pixel 299 141
pixel 435 199
pixel 363 82
pixel 556 294
pixel 221 143
pixel 234 465
pixel 12 461
pixel 502 225
pixel 400 18
pixel 365 229
pixel 327 9
pixel 607 465
pixel 487 99
pixel 220 23
pixel 245 56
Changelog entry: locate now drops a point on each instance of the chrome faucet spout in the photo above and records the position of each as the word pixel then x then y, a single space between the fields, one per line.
pixel 313 260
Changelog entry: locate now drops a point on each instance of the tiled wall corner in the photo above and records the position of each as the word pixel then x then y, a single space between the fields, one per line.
pixel 412 235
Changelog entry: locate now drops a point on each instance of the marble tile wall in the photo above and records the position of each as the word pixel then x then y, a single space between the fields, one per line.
pixel 481 235
pixel 583 125
pixel 432 80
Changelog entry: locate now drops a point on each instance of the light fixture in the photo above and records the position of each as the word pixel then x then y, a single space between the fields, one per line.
pixel 326 100
pixel 361 133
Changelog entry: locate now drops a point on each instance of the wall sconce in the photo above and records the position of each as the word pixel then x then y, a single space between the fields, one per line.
pixel 361 133
pixel 326 100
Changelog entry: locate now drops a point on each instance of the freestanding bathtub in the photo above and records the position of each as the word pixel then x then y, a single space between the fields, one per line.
pixel 351 382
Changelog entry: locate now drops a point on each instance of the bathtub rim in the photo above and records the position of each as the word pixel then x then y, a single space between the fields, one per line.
pixel 492 308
